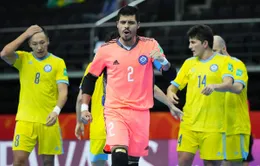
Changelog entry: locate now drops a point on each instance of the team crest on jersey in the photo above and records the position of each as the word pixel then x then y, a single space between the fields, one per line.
pixel 47 68
pixel 214 67
pixel 143 59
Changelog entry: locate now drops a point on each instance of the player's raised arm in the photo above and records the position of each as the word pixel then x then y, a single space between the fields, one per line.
pixel 158 54
pixel 159 95
pixel 8 52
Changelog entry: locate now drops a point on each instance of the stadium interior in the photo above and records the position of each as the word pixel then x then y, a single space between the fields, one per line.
pixel 74 44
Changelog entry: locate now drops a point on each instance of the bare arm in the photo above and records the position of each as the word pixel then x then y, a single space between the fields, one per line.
pixel 78 104
pixel 63 94
pixel 159 95
pixel 8 52
pixel 237 87
pixel 173 89
pixel 79 129
pixel 172 94
pixel 225 86
pixel 62 98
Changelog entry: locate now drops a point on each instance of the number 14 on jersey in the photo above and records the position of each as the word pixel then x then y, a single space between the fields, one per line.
pixel 202 80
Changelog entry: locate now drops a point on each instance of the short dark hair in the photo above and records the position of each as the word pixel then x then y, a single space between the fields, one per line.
pixel 129 11
pixel 202 33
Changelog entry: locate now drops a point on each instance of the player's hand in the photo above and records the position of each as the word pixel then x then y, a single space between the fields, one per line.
pixel 176 112
pixel 208 89
pixel 79 130
pixel 51 119
pixel 156 55
pixel 32 30
pixel 86 116
pixel 172 97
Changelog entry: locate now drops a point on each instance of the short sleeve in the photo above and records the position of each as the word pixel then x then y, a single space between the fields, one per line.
pixel 158 47
pixel 99 63
pixel 240 74
pixel 62 75
pixel 228 68
pixel 182 77
pixel 20 56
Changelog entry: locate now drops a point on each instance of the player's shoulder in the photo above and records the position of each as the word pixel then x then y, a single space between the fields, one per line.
pixel 108 44
pixel 219 58
pixel 218 55
pixel 55 59
pixel 191 59
pixel 23 53
pixel 238 62
pixel 146 39
pixel 236 59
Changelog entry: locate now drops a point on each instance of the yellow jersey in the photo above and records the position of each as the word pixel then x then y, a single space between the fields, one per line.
pixel 203 113
pixel 97 126
pixel 39 79
pixel 236 106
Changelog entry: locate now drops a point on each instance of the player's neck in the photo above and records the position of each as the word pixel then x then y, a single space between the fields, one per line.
pixel 40 56
pixel 207 54
pixel 128 43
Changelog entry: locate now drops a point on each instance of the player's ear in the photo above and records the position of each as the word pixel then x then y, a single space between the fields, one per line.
pixel 205 44
pixel 138 25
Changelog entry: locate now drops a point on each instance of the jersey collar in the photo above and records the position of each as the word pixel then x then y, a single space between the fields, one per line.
pixel 206 60
pixel 42 58
pixel 124 47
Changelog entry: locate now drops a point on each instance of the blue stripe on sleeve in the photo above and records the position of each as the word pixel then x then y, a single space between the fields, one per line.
pixel 62 81
pixel 175 84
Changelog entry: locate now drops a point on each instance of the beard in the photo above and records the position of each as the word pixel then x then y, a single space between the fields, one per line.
pixel 127 39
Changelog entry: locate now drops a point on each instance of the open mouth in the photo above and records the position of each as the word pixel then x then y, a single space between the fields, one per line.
pixel 126 32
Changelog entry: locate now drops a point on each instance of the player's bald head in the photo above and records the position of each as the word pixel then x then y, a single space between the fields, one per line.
pixel 219 44
pixel 220 41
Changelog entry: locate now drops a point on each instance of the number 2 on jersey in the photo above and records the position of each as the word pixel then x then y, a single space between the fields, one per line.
pixel 110 128
pixel 37 78
pixel 202 80
pixel 130 70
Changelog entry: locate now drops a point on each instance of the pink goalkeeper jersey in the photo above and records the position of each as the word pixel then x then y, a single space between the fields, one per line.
pixel 129 73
